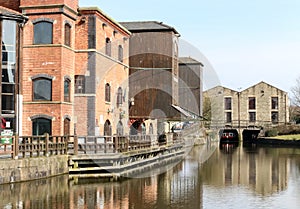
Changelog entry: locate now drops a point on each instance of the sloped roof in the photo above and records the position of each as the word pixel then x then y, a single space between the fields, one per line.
pixel 10 14
pixel 189 60
pixel 96 9
pixel 146 26
pixel 262 82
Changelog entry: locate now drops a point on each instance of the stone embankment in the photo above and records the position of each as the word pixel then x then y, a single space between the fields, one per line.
pixel 26 169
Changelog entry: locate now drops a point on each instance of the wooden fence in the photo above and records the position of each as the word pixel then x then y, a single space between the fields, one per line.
pixel 17 147
pixel 34 146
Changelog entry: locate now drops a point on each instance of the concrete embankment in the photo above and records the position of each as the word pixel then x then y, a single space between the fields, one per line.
pixel 32 168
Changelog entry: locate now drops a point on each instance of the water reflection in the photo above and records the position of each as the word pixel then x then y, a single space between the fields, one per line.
pixel 210 177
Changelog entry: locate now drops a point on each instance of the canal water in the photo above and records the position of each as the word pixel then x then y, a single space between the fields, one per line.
pixel 209 177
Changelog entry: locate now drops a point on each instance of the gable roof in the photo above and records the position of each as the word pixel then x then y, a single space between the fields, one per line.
pixel 262 82
pixel 148 26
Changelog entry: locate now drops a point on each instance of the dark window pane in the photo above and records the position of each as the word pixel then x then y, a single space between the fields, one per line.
pixel 108 47
pixel 252 116
pixel 79 84
pixel 42 89
pixel 120 53
pixel 252 105
pixel 228 117
pixel 120 96
pixel 228 104
pixel 67 91
pixel 274 103
pixel 67 35
pixel 8 104
pixel 107 92
pixel 274 117
pixel 43 33
pixel 41 126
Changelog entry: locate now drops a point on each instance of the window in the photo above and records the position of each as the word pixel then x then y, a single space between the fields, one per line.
pixel 275 103
pixel 252 105
pixel 42 89
pixel 120 53
pixel 107 128
pixel 107 92
pixel 228 117
pixel 67 90
pixel 228 103
pixel 43 32
pixel 108 47
pixel 120 129
pixel 66 126
pixel 9 51
pixel 274 116
pixel 79 84
pixel 67 34
pixel 252 116
pixel 120 96
pixel 41 126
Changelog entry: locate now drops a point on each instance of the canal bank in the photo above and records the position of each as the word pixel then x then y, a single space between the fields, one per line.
pixel 27 169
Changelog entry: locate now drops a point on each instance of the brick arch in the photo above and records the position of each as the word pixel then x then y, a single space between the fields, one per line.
pixel 42 76
pixel 42 19
pixel 41 116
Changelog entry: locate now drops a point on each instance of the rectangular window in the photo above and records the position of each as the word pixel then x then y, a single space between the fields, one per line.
pixel 43 32
pixel 228 105
pixel 252 105
pixel 252 116
pixel 79 84
pixel 274 103
pixel 120 53
pixel 274 116
pixel 67 35
pixel 228 117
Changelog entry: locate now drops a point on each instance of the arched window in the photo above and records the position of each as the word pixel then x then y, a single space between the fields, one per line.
pixel 66 126
pixel 41 126
pixel 67 90
pixel 120 129
pixel 43 32
pixel 107 128
pixel 67 34
pixel 120 96
pixel 107 92
pixel 42 89
pixel 108 47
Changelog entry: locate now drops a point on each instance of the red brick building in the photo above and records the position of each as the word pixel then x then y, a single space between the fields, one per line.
pixel 74 70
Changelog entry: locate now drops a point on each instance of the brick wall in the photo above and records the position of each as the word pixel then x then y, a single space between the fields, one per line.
pixel 11 4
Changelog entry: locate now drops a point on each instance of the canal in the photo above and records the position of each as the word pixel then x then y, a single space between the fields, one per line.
pixel 209 177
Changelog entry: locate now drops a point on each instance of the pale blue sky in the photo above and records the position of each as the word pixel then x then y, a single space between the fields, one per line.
pixel 244 41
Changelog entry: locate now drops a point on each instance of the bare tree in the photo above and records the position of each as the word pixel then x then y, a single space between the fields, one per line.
pixel 296 93
pixel 295 102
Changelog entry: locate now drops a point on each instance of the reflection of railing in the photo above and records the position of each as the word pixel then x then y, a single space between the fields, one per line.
pixel 34 146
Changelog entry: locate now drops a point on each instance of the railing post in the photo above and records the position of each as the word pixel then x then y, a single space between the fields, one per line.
pixel 47 145
pixel 75 145
pixel 116 144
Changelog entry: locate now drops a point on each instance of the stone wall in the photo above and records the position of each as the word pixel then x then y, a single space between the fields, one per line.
pixel 32 168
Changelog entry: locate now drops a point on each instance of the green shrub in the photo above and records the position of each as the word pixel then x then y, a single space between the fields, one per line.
pixel 272 132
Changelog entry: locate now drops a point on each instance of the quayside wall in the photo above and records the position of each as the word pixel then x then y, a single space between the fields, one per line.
pixel 32 168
